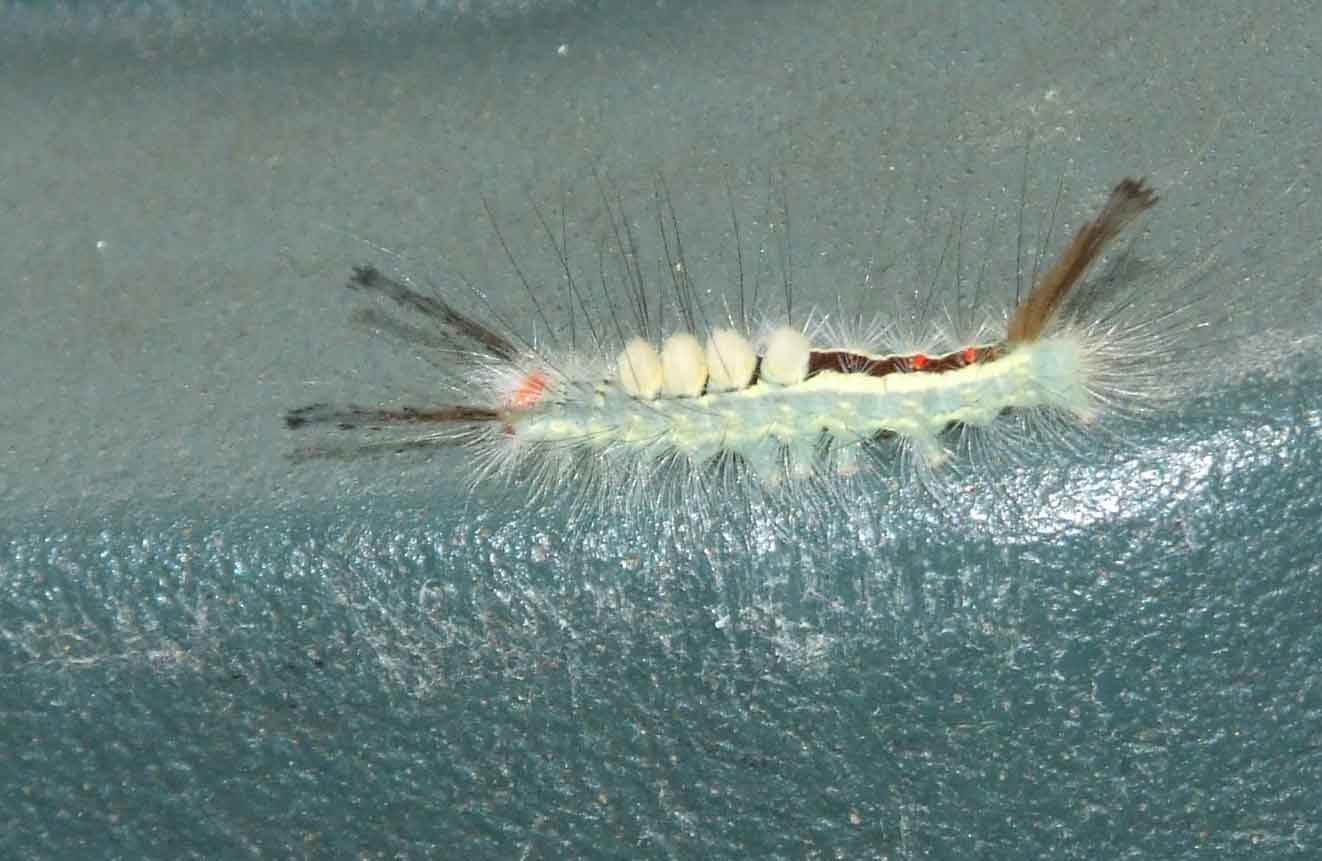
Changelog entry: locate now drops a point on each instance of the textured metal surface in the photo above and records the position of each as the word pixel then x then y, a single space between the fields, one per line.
pixel 1131 669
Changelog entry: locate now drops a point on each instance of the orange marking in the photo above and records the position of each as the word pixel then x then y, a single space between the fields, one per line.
pixel 918 361
pixel 529 390
pixel 970 355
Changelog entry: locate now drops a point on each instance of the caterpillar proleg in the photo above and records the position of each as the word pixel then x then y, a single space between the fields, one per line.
pixel 683 401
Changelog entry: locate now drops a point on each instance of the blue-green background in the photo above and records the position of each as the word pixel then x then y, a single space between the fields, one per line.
pixel 208 650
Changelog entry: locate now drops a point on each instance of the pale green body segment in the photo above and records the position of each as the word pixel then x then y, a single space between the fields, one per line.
pixel 779 427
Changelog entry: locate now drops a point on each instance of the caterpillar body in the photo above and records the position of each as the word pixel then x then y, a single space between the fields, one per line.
pixel 781 406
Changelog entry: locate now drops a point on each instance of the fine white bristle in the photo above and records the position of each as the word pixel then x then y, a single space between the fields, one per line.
pixel 785 360
pixel 638 369
pixel 683 366
pixel 730 361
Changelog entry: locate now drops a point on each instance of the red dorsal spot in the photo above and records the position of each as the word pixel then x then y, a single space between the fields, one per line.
pixel 528 391
pixel 970 355
pixel 918 361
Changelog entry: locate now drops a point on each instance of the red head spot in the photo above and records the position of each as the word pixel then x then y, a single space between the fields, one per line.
pixel 918 361
pixel 528 390
pixel 969 355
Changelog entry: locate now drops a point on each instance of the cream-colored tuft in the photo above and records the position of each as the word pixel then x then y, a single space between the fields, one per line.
pixel 785 361
pixel 730 361
pixel 638 369
pixel 683 366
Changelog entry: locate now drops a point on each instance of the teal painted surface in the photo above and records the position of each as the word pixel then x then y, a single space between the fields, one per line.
pixel 1140 677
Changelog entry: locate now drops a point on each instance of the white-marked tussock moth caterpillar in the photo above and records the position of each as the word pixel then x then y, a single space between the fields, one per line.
pixel 657 405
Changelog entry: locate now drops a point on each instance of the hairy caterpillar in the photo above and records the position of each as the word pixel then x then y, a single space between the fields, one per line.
pixel 687 406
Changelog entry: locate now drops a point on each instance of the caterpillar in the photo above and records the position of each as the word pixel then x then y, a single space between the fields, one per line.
pixel 662 404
